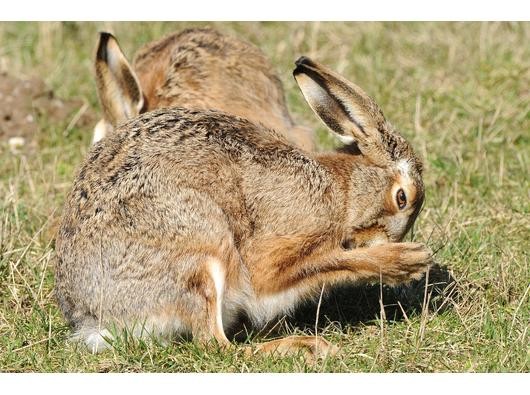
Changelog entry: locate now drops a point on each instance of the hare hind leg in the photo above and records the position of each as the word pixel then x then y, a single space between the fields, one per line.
pixel 209 325
pixel 95 338
pixel 192 304
pixel 198 308
pixel 311 348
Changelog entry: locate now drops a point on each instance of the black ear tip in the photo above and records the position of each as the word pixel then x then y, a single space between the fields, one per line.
pixel 104 38
pixel 302 65
pixel 304 61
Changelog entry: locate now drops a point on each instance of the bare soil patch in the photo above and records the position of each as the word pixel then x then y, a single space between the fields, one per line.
pixel 24 102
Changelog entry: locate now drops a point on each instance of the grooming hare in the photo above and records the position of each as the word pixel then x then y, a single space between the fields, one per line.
pixel 196 68
pixel 183 218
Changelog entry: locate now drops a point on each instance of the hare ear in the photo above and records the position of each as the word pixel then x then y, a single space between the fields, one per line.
pixel 118 88
pixel 344 107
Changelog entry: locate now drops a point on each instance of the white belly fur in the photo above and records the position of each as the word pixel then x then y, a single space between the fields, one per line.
pixel 261 309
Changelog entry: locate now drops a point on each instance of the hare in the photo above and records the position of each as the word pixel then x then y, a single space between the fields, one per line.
pixel 184 218
pixel 196 68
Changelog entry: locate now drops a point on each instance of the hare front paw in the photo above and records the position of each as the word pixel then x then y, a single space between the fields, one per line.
pixel 403 262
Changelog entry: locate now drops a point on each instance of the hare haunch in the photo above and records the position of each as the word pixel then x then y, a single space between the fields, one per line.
pixel 184 218
pixel 196 68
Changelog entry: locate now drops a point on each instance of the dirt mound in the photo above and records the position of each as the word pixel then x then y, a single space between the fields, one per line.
pixel 24 101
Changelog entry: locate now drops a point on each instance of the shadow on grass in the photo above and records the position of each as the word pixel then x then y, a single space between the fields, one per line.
pixel 350 305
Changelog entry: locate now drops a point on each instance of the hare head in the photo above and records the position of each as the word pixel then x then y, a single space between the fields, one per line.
pixel 389 191
pixel 196 68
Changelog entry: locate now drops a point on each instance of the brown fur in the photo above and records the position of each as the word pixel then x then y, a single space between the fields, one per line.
pixel 200 69
pixel 185 210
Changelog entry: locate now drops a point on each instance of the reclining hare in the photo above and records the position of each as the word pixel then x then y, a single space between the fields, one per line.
pixel 184 218
pixel 196 68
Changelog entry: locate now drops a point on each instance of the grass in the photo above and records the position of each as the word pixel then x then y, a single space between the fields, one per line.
pixel 458 91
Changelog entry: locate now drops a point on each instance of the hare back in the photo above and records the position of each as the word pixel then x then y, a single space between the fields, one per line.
pixel 202 68
pixel 252 173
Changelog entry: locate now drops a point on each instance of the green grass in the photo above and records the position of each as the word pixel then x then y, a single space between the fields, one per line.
pixel 458 91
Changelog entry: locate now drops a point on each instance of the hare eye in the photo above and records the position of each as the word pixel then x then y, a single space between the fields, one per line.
pixel 401 199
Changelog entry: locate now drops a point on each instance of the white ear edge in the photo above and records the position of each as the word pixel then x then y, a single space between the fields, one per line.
pixel 100 131
pixel 310 89
pixel 344 139
pixel 140 104
pixel 113 61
